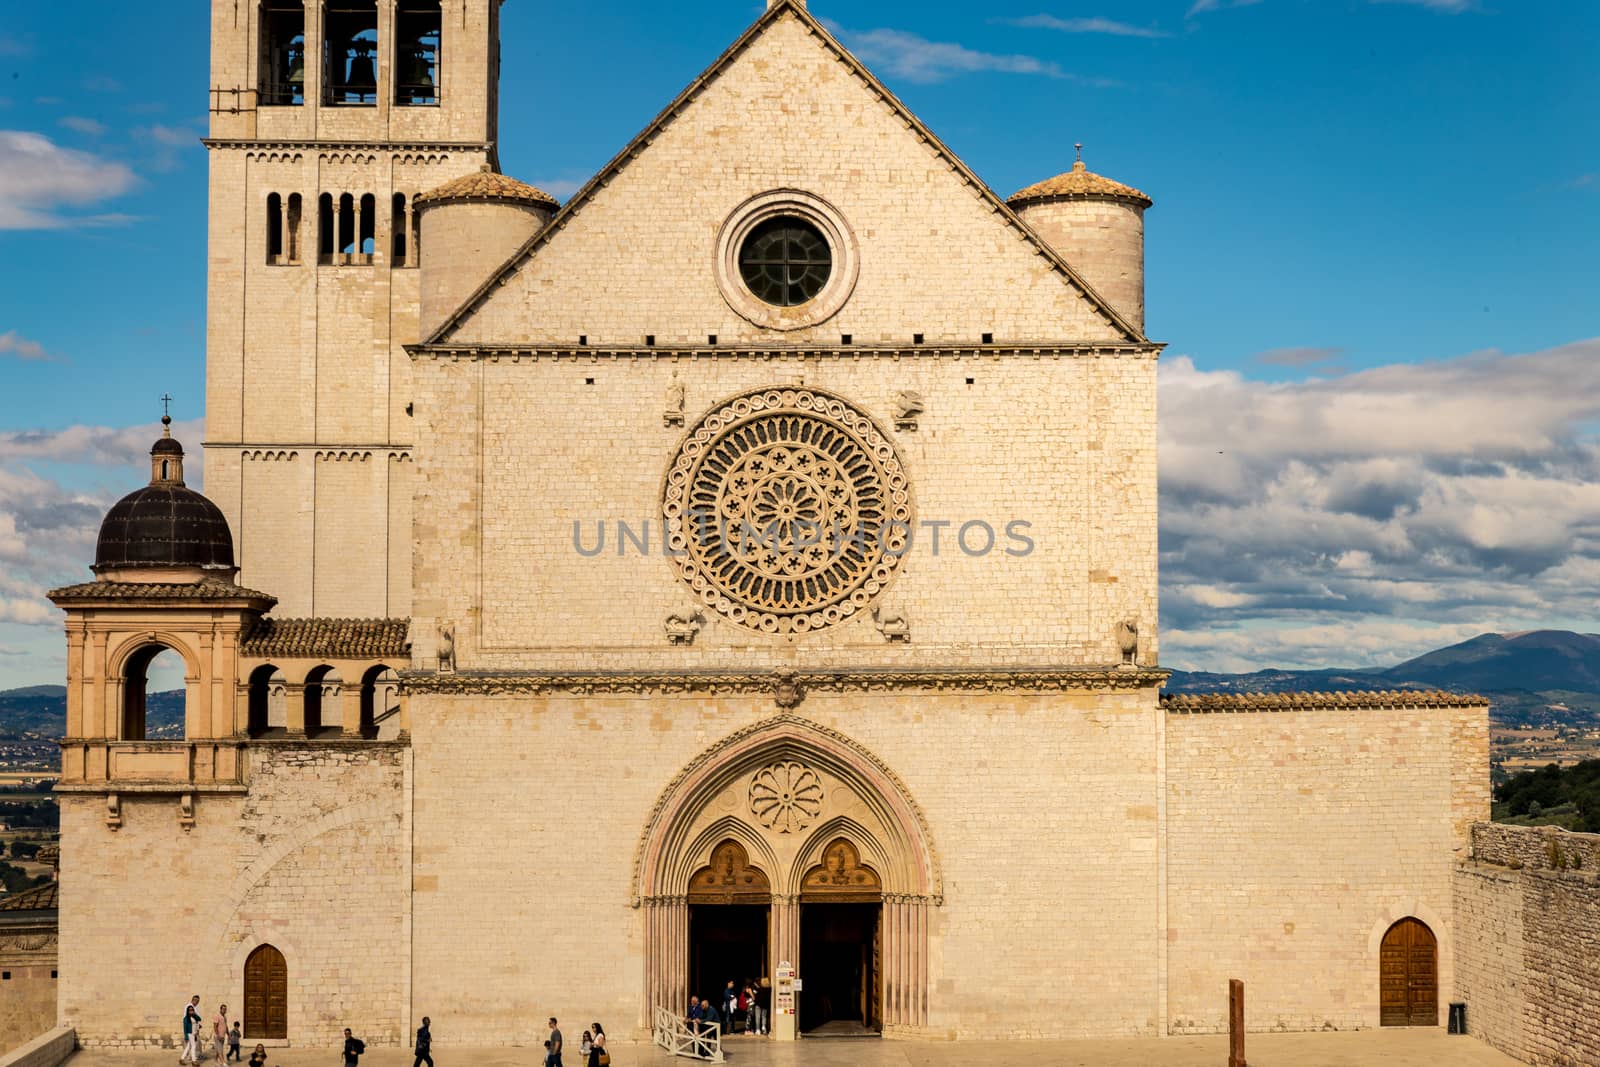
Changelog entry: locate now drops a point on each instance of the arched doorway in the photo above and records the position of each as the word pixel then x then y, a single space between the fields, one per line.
pixel 730 905
pixel 841 943
pixel 786 790
pixel 1408 984
pixel 266 995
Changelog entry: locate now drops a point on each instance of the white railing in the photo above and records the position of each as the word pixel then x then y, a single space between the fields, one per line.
pixel 702 1041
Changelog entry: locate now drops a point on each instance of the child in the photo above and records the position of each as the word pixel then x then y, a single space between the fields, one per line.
pixel 585 1047
pixel 235 1039
pixel 258 1058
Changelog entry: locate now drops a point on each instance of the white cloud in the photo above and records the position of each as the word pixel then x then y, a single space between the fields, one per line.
pixel 1094 24
pixel 918 59
pixel 39 178
pixel 1360 519
pixel 14 344
pixel 1202 6
pixel 86 126
pixel 560 188
pixel 49 521
pixel 1449 7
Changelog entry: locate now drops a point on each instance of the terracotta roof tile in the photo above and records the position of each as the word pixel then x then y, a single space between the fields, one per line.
pixel 487 185
pixel 205 590
pixel 1079 183
pixel 39 898
pixel 327 639
pixel 1201 703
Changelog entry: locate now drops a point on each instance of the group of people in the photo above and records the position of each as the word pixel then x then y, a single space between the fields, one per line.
pixel 746 1008
pixel 591 1051
pixel 227 1042
pixel 226 1039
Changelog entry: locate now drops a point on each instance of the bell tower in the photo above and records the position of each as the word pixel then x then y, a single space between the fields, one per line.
pixel 328 118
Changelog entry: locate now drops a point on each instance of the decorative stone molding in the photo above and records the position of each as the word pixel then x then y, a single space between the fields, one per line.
pixel 792 203
pixel 672 412
pixel 786 797
pixel 681 629
pixel 787 510
pixel 1204 703
pixel 790 732
pixel 891 624
pixel 766 353
pixel 729 683
pixel 788 692
pixel 907 406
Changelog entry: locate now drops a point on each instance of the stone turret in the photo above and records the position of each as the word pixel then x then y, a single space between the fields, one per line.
pixel 1098 227
pixel 470 226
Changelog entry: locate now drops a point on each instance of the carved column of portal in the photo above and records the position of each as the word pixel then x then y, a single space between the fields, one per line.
pixel 784 934
pixel 667 931
pixel 905 961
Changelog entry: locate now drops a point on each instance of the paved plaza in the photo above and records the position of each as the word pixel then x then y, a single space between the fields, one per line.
pixel 1365 1048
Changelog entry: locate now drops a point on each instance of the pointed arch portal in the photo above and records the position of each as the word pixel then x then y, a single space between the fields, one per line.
pixel 788 842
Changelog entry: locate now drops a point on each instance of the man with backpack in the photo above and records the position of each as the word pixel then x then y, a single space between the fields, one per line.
pixel 353 1048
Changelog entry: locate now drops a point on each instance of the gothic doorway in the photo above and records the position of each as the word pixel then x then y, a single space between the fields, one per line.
pixel 841 944
pixel 1408 983
pixel 730 905
pixel 266 995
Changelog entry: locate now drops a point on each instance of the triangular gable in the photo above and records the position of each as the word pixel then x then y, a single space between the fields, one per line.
pixel 1124 331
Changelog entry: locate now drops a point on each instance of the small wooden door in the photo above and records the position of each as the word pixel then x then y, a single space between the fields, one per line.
pixel 1409 975
pixel 266 995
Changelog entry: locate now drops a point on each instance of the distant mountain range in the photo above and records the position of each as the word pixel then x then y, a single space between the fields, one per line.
pixel 1530 677
pixel 1533 677
pixel 39 713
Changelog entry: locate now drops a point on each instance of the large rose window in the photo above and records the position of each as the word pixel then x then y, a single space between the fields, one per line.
pixel 787 510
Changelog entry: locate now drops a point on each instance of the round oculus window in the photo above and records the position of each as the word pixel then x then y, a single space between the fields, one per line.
pixel 785 261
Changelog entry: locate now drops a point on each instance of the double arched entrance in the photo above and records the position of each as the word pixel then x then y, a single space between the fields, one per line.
pixel 788 843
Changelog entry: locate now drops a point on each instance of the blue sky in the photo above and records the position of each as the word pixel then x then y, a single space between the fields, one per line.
pixel 1344 189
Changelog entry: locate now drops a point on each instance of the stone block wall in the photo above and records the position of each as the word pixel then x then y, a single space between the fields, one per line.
pixel 513 454
pixel 1298 831
pixel 314 860
pixel 1528 943
pixel 1042 808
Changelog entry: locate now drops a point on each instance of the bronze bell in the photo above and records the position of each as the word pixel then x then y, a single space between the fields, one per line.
pixel 363 78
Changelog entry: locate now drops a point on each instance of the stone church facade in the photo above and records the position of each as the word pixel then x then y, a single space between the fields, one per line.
pixel 751 561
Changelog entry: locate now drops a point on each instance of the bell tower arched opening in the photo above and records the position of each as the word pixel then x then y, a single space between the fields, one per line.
pixel 150 662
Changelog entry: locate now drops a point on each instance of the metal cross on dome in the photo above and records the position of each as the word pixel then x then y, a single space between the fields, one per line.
pixel 166 401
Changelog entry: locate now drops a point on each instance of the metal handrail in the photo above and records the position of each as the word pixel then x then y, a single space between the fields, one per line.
pixel 676 1036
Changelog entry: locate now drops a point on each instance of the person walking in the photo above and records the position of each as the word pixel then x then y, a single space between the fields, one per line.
pixel 424 1044
pixel 219 1033
pixel 235 1043
pixel 554 1058
pixel 598 1056
pixel 191 1031
pixel 353 1048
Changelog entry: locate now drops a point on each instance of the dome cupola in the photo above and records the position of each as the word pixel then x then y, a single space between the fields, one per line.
pixel 166 531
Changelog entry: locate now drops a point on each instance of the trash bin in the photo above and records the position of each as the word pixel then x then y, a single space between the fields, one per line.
pixel 1458 1017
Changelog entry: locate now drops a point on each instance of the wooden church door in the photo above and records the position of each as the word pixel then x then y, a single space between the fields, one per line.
pixel 266 995
pixel 1409 976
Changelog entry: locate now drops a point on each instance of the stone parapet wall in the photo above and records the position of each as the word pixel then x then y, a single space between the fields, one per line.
pixel 1528 943
pixel 49 1049
pixel 1546 848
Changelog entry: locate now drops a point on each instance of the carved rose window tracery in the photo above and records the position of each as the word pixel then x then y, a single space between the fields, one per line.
pixel 787 510
pixel 786 797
